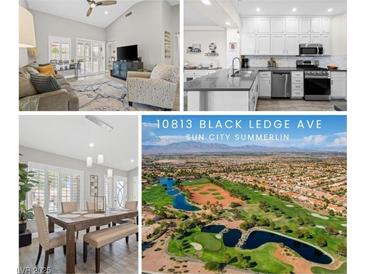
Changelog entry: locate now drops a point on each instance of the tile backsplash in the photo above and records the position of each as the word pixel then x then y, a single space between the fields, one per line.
pixel 290 61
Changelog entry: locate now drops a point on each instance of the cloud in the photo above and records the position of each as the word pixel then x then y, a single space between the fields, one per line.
pixel 340 141
pixel 149 125
pixel 170 139
pixel 315 139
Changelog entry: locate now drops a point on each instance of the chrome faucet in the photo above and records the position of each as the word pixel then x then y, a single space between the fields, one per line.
pixel 239 60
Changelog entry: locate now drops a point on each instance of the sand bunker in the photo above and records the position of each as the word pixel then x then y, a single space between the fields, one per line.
pixel 212 194
pixel 218 236
pixel 344 225
pixel 320 226
pixel 319 216
pixel 289 206
pixel 197 246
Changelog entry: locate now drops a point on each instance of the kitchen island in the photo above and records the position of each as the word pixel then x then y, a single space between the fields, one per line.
pixel 221 91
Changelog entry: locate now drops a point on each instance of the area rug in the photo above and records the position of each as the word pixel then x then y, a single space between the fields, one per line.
pixel 101 93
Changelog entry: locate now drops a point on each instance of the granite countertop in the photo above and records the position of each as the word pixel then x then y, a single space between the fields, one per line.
pixel 202 68
pixel 222 81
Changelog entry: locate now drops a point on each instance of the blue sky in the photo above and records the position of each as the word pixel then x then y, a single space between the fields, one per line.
pixel 330 134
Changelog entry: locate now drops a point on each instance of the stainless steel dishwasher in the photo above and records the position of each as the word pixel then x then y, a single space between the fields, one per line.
pixel 281 84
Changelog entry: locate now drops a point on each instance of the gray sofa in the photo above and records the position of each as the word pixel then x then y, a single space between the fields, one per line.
pixel 64 99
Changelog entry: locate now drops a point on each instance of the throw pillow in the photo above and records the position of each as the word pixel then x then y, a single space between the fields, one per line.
pixel 166 72
pixel 47 70
pixel 25 86
pixel 44 83
pixel 31 69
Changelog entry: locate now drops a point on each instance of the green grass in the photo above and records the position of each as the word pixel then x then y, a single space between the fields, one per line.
pixel 208 241
pixel 320 270
pixel 215 251
pixel 219 197
pixel 212 189
pixel 156 196
pixel 200 181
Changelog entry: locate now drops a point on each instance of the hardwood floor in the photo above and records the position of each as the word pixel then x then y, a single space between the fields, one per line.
pixel 117 258
pixel 295 105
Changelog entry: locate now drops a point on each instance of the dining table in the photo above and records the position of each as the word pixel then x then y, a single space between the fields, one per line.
pixel 80 220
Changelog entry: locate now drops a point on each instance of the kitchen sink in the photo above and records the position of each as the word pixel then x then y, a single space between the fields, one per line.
pixel 242 73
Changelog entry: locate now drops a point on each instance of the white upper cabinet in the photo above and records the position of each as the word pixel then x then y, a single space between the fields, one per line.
pixel 326 24
pixel 281 35
pixel 292 25
pixel 248 44
pixel 277 25
pixel 278 44
pixel 292 44
pixel 304 39
pixel 249 25
pixel 263 25
pixel 263 44
pixel 305 25
pixel 316 25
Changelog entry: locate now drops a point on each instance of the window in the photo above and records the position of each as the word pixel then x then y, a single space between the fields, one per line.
pixel 121 191
pixel 115 191
pixel 59 48
pixel 56 185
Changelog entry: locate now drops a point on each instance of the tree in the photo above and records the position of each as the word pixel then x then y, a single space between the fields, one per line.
pixel 342 249
pixel 322 242
pixel 214 266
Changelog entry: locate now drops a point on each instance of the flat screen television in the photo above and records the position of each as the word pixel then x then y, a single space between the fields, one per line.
pixel 128 53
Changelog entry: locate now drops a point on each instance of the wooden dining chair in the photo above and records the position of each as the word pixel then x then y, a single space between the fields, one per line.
pixel 47 241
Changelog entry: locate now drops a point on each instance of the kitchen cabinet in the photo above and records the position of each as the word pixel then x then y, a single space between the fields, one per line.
pixel 305 25
pixel 263 25
pixel 316 39
pixel 263 44
pixel 292 44
pixel 248 44
pixel 292 25
pixel 338 84
pixel 326 24
pixel 304 39
pixel 316 25
pixel 278 45
pixel 277 25
pixel 325 40
pixel 249 25
pixel 265 84
pixel 297 85
pixel 253 95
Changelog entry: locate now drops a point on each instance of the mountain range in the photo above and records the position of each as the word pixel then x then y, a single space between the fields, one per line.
pixel 198 147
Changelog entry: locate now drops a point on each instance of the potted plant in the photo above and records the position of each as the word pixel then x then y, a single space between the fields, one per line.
pixel 26 183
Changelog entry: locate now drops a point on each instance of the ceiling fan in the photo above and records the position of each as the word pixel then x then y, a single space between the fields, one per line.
pixel 93 4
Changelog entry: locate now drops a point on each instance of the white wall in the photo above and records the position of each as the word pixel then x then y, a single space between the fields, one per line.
pixel 133 183
pixel 144 27
pixel 170 23
pixel 339 34
pixel 49 25
pixel 205 37
pixel 233 36
pixel 38 156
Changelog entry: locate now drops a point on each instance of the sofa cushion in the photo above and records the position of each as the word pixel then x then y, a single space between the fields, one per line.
pixel 44 83
pixel 25 86
pixel 31 69
pixel 166 72
pixel 47 70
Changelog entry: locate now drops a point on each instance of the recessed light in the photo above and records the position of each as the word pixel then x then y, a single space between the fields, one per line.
pixel 228 23
pixel 206 2
pixel 91 144
pixel 132 161
pixel 330 10
pixel 100 159
pixel 106 12
pixel 294 10
pixel 258 9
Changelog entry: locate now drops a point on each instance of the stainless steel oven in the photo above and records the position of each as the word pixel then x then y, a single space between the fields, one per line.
pixel 317 85
pixel 310 49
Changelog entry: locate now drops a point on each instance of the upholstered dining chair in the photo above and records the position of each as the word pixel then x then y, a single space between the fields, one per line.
pixel 47 241
pixel 69 207
pixel 131 205
pixel 90 206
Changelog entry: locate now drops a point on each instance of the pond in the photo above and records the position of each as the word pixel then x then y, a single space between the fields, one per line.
pixel 308 252
pixel 232 237
pixel 179 199
pixel 146 245
pixel 213 228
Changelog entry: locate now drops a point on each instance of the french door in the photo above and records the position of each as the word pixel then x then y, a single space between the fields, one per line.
pixel 115 191
pixel 91 55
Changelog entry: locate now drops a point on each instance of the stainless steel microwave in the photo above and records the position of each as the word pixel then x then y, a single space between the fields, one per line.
pixel 310 49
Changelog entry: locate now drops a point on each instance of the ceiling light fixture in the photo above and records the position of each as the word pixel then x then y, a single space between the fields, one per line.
pixel 206 2
pixel 294 10
pixel 91 144
pixel 89 161
pixel 132 161
pixel 258 9
pixel 228 23
pixel 330 10
pixel 100 159
pixel 106 12
pixel 99 122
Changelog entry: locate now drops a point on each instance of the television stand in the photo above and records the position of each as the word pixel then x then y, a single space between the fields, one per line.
pixel 121 68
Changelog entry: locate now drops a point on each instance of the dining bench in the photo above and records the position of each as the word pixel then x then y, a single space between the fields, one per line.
pixel 101 238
